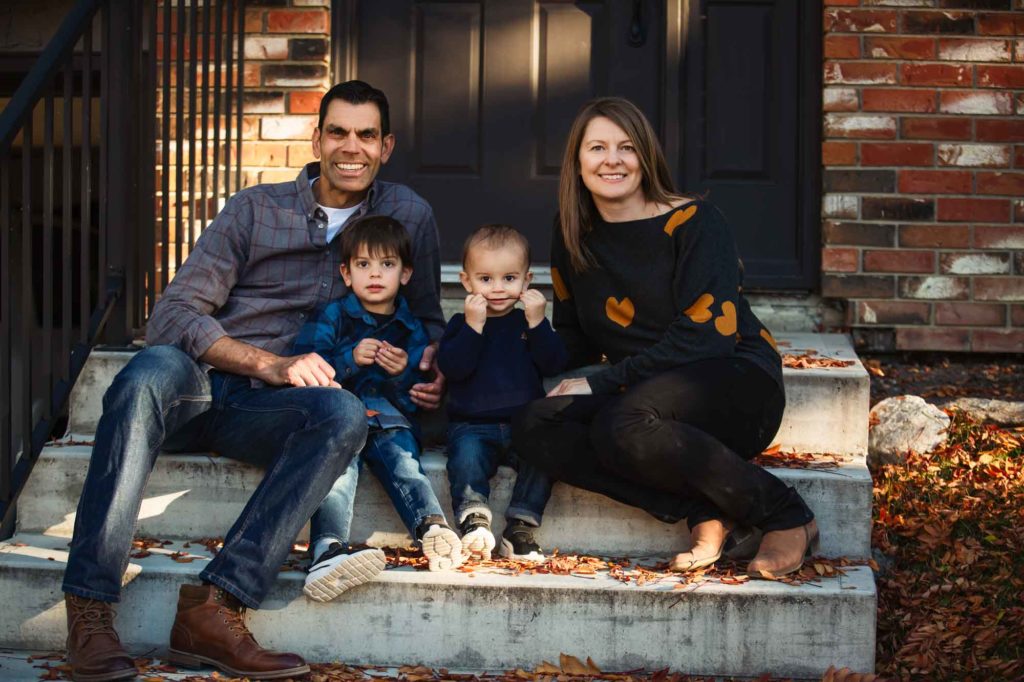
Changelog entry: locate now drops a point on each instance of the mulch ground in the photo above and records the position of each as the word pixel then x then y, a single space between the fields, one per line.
pixel 939 378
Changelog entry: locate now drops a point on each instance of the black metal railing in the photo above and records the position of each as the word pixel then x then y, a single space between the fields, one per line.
pixel 127 95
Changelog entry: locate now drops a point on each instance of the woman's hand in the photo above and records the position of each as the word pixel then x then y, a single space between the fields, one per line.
pixel 571 387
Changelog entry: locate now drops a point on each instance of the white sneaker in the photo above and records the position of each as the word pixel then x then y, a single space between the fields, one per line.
pixel 338 570
pixel 477 538
pixel 442 547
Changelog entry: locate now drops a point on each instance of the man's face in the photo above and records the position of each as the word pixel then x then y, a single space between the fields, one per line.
pixel 351 150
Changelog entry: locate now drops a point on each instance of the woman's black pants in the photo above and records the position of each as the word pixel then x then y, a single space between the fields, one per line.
pixel 677 445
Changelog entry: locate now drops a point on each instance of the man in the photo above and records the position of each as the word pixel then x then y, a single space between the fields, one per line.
pixel 214 378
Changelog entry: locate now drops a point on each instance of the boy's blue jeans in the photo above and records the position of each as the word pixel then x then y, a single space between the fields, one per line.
pixel 474 453
pixel 303 437
pixel 393 456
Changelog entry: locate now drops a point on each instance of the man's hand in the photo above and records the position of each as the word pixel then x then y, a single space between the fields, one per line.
pixel 391 358
pixel 476 312
pixel 571 387
pixel 300 370
pixel 428 396
pixel 534 305
pixel 365 352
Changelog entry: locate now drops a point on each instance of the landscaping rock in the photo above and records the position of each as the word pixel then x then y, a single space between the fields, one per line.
pixel 1002 412
pixel 902 424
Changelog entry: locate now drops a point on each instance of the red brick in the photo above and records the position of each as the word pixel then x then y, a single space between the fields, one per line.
pixel 996 76
pixel 304 102
pixel 935 287
pixel 934 182
pixel 1006 289
pixel 860 21
pixel 975 210
pixel 917 22
pixel 961 313
pixel 885 99
pixel 976 102
pixel 845 3
pixel 935 128
pixel 858 234
pixel 299 154
pixel 935 74
pixel 840 260
pixel 860 73
pixel 975 263
pixel 1018 156
pixel 999 130
pixel 937 236
pixel 893 312
pixel 1000 24
pixel 296 21
pixel 858 125
pixel 842 47
pixel 903 47
pixel 932 338
pixel 975 50
pixel 998 237
pixel 1017 315
pixel 899 261
pixel 857 286
pixel 253 74
pixel 263 154
pixel 840 99
pixel 839 153
pixel 997 341
pixel 974 155
pixel 1001 183
pixel 253 21
pixel 896 154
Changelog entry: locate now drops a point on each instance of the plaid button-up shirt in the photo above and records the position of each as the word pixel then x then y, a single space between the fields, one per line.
pixel 263 267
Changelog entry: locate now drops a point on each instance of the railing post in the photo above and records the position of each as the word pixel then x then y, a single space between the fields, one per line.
pixel 122 187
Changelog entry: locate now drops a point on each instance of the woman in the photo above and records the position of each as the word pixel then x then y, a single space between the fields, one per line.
pixel 650 279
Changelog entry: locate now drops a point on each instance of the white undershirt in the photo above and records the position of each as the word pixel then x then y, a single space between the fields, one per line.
pixel 336 217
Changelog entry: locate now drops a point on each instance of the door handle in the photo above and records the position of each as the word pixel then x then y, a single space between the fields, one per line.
pixel 637 32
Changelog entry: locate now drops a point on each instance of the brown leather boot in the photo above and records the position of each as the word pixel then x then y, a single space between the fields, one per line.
pixel 94 649
pixel 783 551
pixel 707 539
pixel 209 629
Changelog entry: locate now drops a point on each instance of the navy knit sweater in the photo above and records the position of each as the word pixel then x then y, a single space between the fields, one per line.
pixel 666 291
pixel 491 375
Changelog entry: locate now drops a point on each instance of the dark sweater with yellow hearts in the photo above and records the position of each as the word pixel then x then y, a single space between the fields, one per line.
pixel 666 291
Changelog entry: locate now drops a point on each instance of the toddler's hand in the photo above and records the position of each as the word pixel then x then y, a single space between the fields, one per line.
pixel 476 312
pixel 534 304
pixel 392 358
pixel 365 352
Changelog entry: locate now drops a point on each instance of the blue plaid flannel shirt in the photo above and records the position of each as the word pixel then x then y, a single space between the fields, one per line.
pixel 339 328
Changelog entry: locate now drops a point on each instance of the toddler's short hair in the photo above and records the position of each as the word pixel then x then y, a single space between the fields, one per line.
pixel 382 235
pixel 496 236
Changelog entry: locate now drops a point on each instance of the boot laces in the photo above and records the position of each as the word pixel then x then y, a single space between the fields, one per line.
pixel 234 614
pixel 96 618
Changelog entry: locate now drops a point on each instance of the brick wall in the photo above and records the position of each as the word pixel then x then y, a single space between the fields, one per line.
pixel 923 154
pixel 287 69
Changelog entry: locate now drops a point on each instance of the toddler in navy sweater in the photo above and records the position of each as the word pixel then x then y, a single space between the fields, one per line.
pixel 494 356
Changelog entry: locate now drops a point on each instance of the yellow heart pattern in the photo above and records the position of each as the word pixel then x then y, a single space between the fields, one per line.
pixel 561 291
pixel 679 217
pixel 767 336
pixel 726 323
pixel 700 311
pixel 620 313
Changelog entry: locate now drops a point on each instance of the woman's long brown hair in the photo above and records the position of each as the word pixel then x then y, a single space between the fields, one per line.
pixel 576 208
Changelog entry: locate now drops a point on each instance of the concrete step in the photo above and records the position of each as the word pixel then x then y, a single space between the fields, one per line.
pixel 826 410
pixel 194 496
pixel 486 620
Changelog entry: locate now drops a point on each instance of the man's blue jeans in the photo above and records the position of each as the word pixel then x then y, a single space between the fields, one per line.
pixel 162 400
pixel 393 456
pixel 474 453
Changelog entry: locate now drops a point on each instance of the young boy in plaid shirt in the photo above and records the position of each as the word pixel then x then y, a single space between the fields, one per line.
pixel 374 343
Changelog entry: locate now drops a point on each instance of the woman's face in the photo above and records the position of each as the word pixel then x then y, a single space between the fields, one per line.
pixel 609 162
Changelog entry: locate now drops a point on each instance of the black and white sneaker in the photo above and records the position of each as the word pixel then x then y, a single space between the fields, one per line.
pixel 517 542
pixel 440 544
pixel 477 538
pixel 339 569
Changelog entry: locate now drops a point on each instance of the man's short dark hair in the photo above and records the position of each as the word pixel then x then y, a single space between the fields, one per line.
pixel 357 92
pixel 496 236
pixel 381 235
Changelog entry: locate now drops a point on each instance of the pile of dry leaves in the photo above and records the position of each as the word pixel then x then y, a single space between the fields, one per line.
pixel 950 607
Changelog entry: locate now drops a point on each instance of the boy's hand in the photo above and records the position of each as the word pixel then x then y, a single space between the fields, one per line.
pixel 476 312
pixel 365 352
pixel 534 304
pixel 391 358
